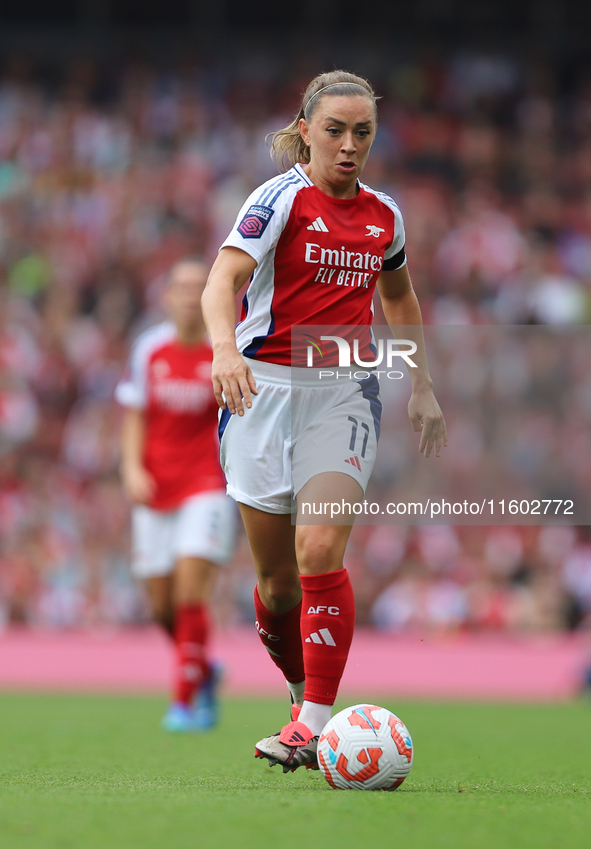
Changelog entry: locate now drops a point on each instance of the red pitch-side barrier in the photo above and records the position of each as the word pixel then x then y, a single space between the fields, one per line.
pixel 139 660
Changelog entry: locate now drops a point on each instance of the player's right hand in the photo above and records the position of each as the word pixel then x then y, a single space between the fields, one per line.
pixel 139 485
pixel 233 381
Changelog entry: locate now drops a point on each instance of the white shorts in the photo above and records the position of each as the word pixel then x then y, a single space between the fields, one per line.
pixel 202 526
pixel 297 429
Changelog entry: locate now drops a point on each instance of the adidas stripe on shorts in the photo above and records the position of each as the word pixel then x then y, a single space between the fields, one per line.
pixel 202 526
pixel 297 428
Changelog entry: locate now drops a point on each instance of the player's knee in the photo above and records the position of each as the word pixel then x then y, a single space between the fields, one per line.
pixel 279 593
pixel 317 554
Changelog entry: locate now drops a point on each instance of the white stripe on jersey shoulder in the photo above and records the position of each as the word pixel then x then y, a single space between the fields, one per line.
pixel 154 337
pixel 386 199
pixel 270 191
pixel 300 170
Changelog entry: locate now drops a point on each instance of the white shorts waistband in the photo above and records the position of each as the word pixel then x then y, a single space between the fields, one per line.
pixel 313 378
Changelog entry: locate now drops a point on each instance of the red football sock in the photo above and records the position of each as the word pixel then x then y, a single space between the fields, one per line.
pixel 191 634
pixel 280 635
pixel 328 621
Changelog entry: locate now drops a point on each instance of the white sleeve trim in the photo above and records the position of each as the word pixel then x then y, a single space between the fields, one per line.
pixel 399 233
pixel 132 389
pixel 263 216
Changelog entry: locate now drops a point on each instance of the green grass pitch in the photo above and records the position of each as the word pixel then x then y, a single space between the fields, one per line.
pixel 96 772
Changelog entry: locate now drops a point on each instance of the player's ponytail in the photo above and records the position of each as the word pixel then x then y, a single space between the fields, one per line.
pixel 287 145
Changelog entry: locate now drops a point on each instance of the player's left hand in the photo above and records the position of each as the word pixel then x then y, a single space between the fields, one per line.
pixel 426 417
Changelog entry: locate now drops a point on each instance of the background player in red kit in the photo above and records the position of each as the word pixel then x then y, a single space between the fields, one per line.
pixel 182 521
pixel 314 243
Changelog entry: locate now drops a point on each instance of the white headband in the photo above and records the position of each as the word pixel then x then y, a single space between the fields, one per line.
pixel 330 85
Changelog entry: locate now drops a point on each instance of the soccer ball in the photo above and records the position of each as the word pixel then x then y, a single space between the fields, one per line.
pixel 365 747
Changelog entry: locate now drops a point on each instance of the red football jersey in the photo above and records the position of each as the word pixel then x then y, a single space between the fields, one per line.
pixel 318 259
pixel 172 384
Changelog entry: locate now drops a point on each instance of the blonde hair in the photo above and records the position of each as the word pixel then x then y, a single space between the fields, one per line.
pixel 287 145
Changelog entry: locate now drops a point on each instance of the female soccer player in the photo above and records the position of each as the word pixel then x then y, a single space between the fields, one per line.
pixel 182 521
pixel 314 242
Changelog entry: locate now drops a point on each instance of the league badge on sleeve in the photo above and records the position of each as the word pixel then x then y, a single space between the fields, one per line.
pixel 255 221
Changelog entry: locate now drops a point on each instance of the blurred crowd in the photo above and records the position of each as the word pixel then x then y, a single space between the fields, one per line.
pixel 106 179
pixel 517 402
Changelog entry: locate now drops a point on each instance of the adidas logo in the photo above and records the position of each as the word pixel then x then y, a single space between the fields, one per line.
pixel 274 653
pixel 296 738
pixel 354 461
pixel 321 637
pixel 318 224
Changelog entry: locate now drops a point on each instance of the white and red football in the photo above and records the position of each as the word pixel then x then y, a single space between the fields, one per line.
pixel 365 747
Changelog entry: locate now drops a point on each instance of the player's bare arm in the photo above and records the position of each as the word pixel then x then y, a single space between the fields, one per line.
pixel 233 382
pixel 401 309
pixel 137 481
